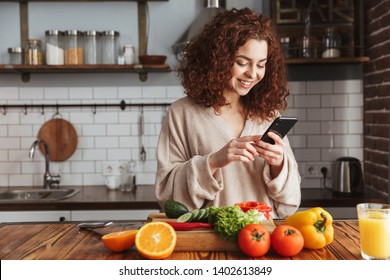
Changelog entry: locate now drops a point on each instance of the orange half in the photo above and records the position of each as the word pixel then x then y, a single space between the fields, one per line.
pixel 120 240
pixel 156 240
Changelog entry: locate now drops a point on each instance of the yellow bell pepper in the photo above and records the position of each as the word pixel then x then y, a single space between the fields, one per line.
pixel 316 227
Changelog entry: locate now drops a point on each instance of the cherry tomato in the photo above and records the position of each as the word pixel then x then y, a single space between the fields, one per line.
pixel 254 240
pixel 286 240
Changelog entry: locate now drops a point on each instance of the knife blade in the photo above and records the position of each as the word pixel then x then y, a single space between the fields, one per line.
pixel 102 224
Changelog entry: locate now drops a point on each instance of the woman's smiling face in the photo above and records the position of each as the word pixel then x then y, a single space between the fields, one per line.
pixel 249 67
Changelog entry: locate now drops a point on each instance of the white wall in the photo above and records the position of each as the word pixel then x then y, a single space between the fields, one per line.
pixel 330 112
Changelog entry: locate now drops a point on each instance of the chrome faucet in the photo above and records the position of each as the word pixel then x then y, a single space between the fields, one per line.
pixel 48 179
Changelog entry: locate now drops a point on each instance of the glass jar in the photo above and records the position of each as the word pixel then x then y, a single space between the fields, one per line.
pixel 110 47
pixel 15 56
pixel 54 47
pixel 91 47
pixel 128 53
pixel 331 43
pixel 308 47
pixel 285 45
pixel 33 52
pixel 74 53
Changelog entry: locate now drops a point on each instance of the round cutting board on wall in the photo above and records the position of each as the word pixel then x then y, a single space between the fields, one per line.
pixel 61 138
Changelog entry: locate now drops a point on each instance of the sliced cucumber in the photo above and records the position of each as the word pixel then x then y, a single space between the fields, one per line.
pixel 196 213
pixel 187 217
pixel 205 214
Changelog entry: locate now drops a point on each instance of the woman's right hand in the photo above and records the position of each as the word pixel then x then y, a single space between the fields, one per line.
pixel 240 149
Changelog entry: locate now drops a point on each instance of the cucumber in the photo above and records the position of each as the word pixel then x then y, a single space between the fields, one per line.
pixel 174 209
pixel 195 215
pixel 204 214
pixel 187 217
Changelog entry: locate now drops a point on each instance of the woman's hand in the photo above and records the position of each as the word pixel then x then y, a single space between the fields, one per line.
pixel 272 154
pixel 240 149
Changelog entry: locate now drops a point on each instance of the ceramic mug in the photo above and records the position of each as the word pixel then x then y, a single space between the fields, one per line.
pixel 113 182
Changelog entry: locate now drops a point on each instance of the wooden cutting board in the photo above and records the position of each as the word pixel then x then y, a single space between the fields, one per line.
pixel 202 239
pixel 61 138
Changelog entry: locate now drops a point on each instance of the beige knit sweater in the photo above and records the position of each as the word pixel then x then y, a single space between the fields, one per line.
pixel 190 133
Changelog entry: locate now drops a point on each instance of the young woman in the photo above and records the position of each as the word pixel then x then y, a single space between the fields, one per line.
pixel 209 150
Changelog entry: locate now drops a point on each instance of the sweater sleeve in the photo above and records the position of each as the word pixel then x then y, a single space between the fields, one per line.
pixel 182 175
pixel 284 190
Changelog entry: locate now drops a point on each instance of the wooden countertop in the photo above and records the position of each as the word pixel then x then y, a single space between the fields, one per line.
pixel 100 198
pixel 60 241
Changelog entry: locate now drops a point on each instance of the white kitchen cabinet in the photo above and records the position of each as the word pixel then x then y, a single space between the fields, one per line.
pixel 111 215
pixel 34 216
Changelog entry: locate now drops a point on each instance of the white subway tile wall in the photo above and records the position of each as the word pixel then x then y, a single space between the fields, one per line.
pixel 330 126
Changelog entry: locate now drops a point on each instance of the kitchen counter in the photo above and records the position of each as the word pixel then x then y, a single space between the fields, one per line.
pixel 60 241
pixel 101 198
pixel 91 198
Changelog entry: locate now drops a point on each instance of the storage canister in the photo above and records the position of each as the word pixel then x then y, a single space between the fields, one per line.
pixel 331 43
pixel 110 47
pixel 54 47
pixel 33 52
pixel 15 55
pixel 92 47
pixel 74 53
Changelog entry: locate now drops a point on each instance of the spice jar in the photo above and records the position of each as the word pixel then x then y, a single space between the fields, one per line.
pixel 15 56
pixel 331 43
pixel 129 53
pixel 110 47
pixel 74 53
pixel 54 47
pixel 33 52
pixel 91 47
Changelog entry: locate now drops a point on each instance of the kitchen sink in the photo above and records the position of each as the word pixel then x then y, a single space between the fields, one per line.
pixel 37 194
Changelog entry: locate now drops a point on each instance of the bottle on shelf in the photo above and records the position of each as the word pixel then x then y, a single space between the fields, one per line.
pixel 129 54
pixel 92 48
pixel 74 52
pixel 54 47
pixel 110 47
pixel 15 56
pixel 33 52
pixel 309 41
pixel 331 43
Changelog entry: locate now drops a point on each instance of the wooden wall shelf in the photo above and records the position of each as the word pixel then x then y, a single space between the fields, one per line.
pixel 27 70
pixel 337 60
pixel 142 70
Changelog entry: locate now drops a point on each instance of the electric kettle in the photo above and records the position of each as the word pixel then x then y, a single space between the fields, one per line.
pixel 348 176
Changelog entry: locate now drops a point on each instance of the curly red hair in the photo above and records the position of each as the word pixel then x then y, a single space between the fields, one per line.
pixel 209 57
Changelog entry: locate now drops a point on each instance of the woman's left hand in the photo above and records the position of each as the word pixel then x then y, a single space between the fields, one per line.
pixel 273 154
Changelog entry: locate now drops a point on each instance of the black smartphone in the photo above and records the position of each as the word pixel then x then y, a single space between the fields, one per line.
pixel 281 126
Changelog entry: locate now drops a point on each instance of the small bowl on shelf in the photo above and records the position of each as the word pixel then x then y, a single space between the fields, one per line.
pixel 152 59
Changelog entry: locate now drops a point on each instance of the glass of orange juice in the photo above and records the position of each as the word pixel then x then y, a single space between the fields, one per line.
pixel 374 227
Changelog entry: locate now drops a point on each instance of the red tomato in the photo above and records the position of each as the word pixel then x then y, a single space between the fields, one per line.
pixel 254 240
pixel 286 240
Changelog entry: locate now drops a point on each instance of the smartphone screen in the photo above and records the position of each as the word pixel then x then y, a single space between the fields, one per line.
pixel 281 126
